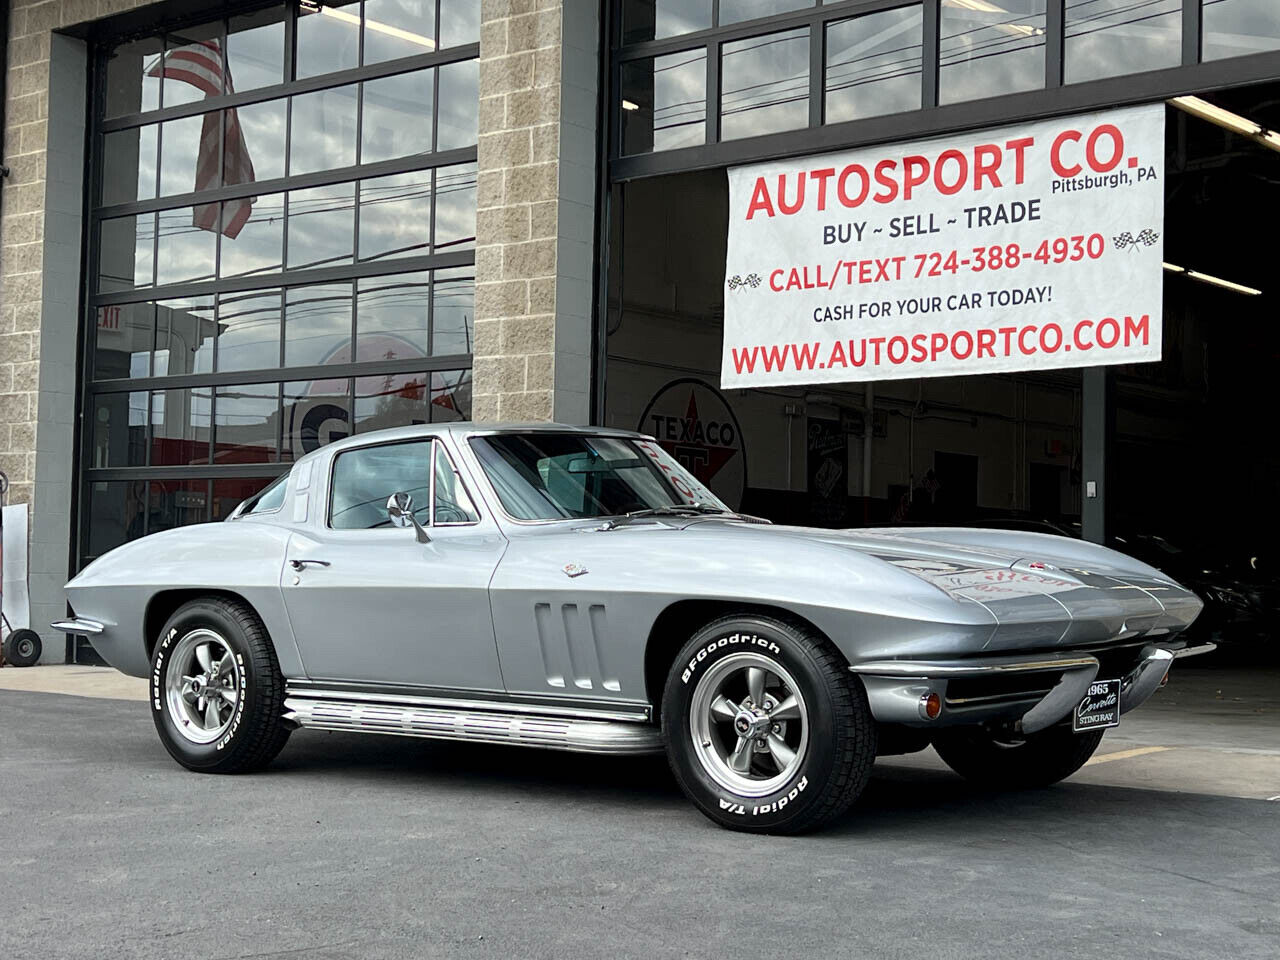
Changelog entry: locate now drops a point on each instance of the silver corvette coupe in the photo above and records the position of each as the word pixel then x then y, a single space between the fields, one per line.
pixel 577 589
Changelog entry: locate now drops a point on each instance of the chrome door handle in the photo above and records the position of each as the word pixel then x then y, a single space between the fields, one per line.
pixel 299 564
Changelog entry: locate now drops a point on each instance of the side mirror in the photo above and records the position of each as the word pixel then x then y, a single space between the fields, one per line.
pixel 400 513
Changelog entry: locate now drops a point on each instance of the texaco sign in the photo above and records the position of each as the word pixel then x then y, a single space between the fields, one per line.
pixel 693 422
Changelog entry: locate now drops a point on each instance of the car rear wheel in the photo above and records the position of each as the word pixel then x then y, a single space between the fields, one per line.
pixel 217 695
pixel 766 729
pixel 1016 763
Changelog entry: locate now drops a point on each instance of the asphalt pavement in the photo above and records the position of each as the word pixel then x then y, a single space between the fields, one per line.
pixel 372 847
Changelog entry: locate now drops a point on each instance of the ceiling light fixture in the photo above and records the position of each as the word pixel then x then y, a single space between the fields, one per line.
pixel 628 105
pixel 1230 121
pixel 375 25
pixel 1215 281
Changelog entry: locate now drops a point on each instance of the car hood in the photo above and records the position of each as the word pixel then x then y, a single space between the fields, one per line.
pixel 1020 578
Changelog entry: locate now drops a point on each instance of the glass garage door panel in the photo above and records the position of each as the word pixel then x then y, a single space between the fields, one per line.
pixel 279 270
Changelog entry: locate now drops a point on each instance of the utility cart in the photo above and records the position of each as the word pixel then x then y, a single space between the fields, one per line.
pixel 21 647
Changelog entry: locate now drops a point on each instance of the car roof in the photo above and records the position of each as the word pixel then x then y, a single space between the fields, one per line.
pixel 461 429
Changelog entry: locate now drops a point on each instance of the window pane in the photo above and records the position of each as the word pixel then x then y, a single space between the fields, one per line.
pixel 734 11
pixel 253 235
pixel 392 317
pixel 459 105
pixel 245 420
pixel 262 127
pixel 1233 28
pixel 185 331
pixel 328 39
pixel 116 514
pixel 193 66
pixel 397 116
pixel 453 297
pixel 249 330
pixel 126 248
pixel 664 102
pixel 459 22
pixel 180 421
pixel 1106 38
pixel 765 84
pixel 322 225
pixel 129 165
pixel 873 64
pixel 188 242
pixel 230 492
pixel 131 86
pixel 123 340
pixel 450 396
pixel 255 49
pixel 184 146
pixel 317 324
pixel 363 480
pixel 452 503
pixel 654 19
pixel 395 216
pixel 323 135
pixel 176 503
pixel 394 400
pixel 315 412
pixel 398 28
pixel 455 215
pixel 120 429
pixel 990 49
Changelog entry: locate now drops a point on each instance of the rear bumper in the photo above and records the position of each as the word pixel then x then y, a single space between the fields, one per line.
pixel 1029 692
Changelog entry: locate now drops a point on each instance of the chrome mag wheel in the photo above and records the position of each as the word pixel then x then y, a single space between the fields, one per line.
pixel 749 724
pixel 202 686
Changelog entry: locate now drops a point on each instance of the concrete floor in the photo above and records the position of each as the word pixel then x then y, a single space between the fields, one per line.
pixel 377 847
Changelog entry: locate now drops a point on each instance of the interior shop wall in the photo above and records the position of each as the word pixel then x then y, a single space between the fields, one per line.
pixel 665 320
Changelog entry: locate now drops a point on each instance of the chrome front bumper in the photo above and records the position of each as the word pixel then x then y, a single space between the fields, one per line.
pixel 1029 692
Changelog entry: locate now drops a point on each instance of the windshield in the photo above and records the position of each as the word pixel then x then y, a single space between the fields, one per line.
pixel 562 476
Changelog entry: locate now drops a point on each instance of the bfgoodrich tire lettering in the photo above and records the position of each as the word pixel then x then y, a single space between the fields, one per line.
pixel 766 729
pixel 217 695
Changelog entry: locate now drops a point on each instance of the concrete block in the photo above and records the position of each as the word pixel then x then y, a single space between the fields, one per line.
pixel 535 258
pixel 506 74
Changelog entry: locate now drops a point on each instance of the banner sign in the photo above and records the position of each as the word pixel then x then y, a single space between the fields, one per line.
pixel 1029 247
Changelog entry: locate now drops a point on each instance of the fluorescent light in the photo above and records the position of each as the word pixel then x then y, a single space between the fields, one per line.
pixel 982 6
pixel 1216 114
pixel 377 26
pixel 628 105
pixel 1225 284
pixel 1216 281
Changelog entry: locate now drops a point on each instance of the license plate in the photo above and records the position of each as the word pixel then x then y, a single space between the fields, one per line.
pixel 1099 708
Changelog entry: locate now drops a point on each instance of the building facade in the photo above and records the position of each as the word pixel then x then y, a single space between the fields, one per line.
pixel 231 232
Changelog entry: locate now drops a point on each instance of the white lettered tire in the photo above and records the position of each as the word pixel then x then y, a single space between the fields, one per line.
pixel 765 727
pixel 217 695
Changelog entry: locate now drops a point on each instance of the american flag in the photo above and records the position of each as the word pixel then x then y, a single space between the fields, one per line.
pixel 200 64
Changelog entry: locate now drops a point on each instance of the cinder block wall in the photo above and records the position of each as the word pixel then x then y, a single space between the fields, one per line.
pixel 40 257
pixel 536 209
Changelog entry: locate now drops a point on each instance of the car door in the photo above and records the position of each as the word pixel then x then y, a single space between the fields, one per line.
pixel 370 603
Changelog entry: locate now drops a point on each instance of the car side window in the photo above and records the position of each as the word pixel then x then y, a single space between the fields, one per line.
pixel 365 477
pixel 453 503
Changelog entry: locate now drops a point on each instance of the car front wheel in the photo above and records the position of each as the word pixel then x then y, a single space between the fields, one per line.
pixel 217 695
pixel 766 729
pixel 1016 763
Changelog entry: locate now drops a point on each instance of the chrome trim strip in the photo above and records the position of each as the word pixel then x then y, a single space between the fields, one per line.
pixel 434 721
pixel 80 625
pixel 925 669
pixel 295 689
pixel 1195 651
